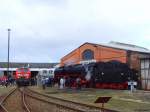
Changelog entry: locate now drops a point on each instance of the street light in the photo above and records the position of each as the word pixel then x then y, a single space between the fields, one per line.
pixel 8 51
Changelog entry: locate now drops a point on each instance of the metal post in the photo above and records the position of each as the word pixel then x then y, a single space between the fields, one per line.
pixel 8 51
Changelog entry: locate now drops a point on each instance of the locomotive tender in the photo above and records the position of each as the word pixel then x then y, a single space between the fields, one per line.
pixel 109 75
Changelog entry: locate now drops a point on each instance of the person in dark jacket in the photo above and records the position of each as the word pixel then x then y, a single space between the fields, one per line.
pixel 43 83
pixel 78 82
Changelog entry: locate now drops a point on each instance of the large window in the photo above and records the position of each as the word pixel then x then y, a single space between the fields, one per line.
pixel 88 55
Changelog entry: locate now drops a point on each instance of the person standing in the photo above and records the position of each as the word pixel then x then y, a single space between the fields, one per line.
pixel 61 83
pixel 43 83
pixel 78 83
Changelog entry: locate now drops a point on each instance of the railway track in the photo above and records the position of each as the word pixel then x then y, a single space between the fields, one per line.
pixel 3 109
pixel 14 102
pixel 26 100
pixel 64 104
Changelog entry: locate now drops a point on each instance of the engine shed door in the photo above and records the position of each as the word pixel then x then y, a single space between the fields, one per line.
pixel 145 74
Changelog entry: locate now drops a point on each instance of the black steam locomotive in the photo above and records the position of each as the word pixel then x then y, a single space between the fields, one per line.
pixel 112 74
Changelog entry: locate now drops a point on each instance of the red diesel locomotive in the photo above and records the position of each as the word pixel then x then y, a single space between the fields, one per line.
pixel 23 76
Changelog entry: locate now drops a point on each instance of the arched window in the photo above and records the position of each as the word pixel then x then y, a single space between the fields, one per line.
pixel 88 54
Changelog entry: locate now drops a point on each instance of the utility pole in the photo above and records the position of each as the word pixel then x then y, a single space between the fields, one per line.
pixel 8 51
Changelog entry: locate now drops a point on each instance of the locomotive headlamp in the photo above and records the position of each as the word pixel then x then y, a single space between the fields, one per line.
pixel 25 75
pixel 122 73
pixel 102 73
pixel 19 74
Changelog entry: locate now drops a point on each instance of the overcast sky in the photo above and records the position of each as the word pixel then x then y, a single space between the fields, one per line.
pixel 46 30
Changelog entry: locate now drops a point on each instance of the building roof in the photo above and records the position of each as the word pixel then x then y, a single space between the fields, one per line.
pixel 31 65
pixel 129 47
pixel 118 45
pixel 123 46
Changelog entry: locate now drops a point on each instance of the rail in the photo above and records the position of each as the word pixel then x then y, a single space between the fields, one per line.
pixel 4 99
pixel 89 107
pixel 30 99
pixel 57 105
pixel 24 103
pixel 4 109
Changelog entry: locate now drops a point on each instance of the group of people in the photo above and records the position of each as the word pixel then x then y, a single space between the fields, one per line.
pixel 47 82
pixel 63 82
pixel 69 82
pixel 7 82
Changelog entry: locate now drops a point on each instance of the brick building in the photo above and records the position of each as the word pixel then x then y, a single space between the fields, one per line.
pixel 130 54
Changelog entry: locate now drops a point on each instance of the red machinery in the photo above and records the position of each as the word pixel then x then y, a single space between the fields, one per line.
pixel 23 76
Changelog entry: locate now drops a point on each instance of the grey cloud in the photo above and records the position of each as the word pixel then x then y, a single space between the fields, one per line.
pixel 46 30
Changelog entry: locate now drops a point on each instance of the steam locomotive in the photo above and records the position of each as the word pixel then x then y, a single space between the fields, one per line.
pixel 23 76
pixel 107 75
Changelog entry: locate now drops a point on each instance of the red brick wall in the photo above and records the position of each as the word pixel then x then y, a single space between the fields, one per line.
pixel 101 53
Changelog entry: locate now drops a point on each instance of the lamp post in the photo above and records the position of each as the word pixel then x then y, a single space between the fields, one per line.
pixel 8 51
